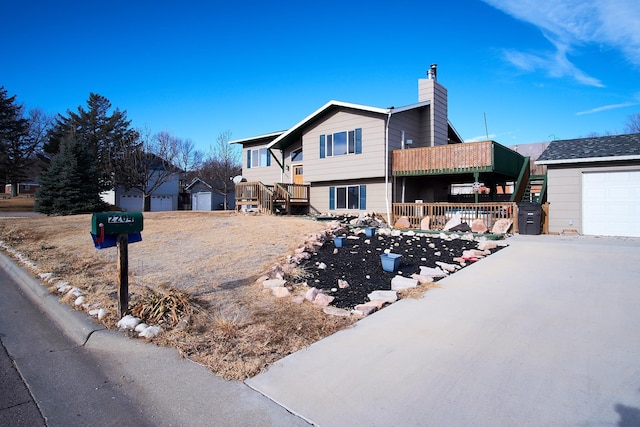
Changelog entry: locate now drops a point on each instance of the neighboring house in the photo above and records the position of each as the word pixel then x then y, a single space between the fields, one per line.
pixel 205 198
pixel 349 158
pixel 594 185
pixel 163 196
pixel 28 188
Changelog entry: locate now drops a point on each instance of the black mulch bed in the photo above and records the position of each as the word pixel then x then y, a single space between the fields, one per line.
pixel 359 263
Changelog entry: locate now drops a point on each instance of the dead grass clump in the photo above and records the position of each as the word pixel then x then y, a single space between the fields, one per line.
pixel 165 307
pixel 418 291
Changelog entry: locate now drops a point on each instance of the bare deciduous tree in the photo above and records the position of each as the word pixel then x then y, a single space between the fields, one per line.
pixel 222 165
pixel 633 123
pixel 150 164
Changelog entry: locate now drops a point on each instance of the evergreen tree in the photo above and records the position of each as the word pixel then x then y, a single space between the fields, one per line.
pixel 104 135
pixel 71 184
pixel 15 147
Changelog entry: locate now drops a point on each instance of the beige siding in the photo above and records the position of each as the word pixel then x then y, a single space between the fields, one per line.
pixel 431 90
pixel 565 199
pixel 375 196
pixel 368 164
pixel 564 190
pixel 267 175
pixel 410 123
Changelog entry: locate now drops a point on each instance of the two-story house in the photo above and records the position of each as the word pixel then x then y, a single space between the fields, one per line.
pixel 349 158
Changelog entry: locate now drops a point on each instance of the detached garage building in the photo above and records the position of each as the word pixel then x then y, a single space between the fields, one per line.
pixel 593 185
pixel 205 198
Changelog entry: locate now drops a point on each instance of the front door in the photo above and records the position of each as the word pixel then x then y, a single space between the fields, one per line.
pixel 297 174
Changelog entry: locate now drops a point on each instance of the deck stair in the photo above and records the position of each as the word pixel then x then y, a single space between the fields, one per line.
pixel 279 198
pixel 535 191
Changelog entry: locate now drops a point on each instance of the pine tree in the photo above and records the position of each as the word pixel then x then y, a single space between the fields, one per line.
pixel 71 184
pixel 14 132
pixel 103 134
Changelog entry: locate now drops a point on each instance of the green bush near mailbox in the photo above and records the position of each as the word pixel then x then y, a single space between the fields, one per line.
pixel 117 223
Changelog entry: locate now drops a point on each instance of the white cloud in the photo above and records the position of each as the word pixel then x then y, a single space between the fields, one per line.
pixel 607 107
pixel 570 24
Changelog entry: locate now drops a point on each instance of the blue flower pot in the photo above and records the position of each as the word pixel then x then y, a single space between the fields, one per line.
pixel 390 262
pixel 369 231
pixel 339 241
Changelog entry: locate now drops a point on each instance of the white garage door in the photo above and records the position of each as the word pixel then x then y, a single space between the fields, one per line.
pixel 201 201
pixel 130 203
pixel 161 203
pixel 611 203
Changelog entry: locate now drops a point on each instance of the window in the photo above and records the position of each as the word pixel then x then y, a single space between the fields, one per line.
pixel 353 197
pixel 341 143
pixel 296 155
pixel 258 158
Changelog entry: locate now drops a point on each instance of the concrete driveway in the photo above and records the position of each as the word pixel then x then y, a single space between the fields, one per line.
pixel 545 332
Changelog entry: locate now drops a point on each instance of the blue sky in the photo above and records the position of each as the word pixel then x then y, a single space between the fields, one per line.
pixel 538 70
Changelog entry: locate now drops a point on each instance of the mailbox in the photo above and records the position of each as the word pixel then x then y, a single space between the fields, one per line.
pixel 106 226
pixel 116 222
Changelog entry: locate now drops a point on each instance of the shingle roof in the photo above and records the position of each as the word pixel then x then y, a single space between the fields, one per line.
pixel 600 148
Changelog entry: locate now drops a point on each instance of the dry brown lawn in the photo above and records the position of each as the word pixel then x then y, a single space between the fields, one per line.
pixel 16 204
pixel 208 261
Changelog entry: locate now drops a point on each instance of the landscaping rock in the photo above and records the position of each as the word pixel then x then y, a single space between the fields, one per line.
pixel 478 226
pixel 334 311
pixel 368 308
pixel 323 300
pixel 447 267
pixel 273 283
pixel 422 279
pixel 487 245
pixel 402 222
pixel 280 292
pixel 453 222
pixel 425 223
pixel 385 296
pixel 501 226
pixel 400 283
pixel 432 272
pixel 311 294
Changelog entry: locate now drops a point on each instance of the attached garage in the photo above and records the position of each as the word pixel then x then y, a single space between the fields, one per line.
pixel 611 203
pixel 130 202
pixel 161 203
pixel 593 185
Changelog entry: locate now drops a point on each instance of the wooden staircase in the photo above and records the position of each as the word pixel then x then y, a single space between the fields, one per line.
pixel 279 198
pixel 535 190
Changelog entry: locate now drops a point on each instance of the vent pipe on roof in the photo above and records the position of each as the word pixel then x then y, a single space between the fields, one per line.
pixel 432 72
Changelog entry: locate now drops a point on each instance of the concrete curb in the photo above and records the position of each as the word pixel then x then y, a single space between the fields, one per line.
pixel 76 325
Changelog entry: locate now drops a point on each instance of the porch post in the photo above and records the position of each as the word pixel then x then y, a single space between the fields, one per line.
pixel 476 178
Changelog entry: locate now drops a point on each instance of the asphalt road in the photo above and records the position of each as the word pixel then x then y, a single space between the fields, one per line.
pixel 46 376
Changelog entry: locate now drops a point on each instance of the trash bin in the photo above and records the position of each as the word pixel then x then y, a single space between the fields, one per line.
pixel 529 218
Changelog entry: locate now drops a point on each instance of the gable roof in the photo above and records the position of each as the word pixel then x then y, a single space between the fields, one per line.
pixel 260 139
pixel 283 139
pixel 195 181
pixel 294 134
pixel 595 149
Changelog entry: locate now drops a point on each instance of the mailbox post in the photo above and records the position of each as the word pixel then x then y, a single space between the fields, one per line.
pixel 118 229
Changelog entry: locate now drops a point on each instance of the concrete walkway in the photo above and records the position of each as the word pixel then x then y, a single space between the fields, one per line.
pixel 545 332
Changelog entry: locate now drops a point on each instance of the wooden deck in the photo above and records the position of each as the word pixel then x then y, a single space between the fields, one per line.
pixel 271 198
pixel 475 157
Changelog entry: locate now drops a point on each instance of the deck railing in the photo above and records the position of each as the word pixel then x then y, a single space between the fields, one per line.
pixel 298 193
pixel 254 194
pixel 440 213
pixel 470 157
pixel 453 158
pixel 265 197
